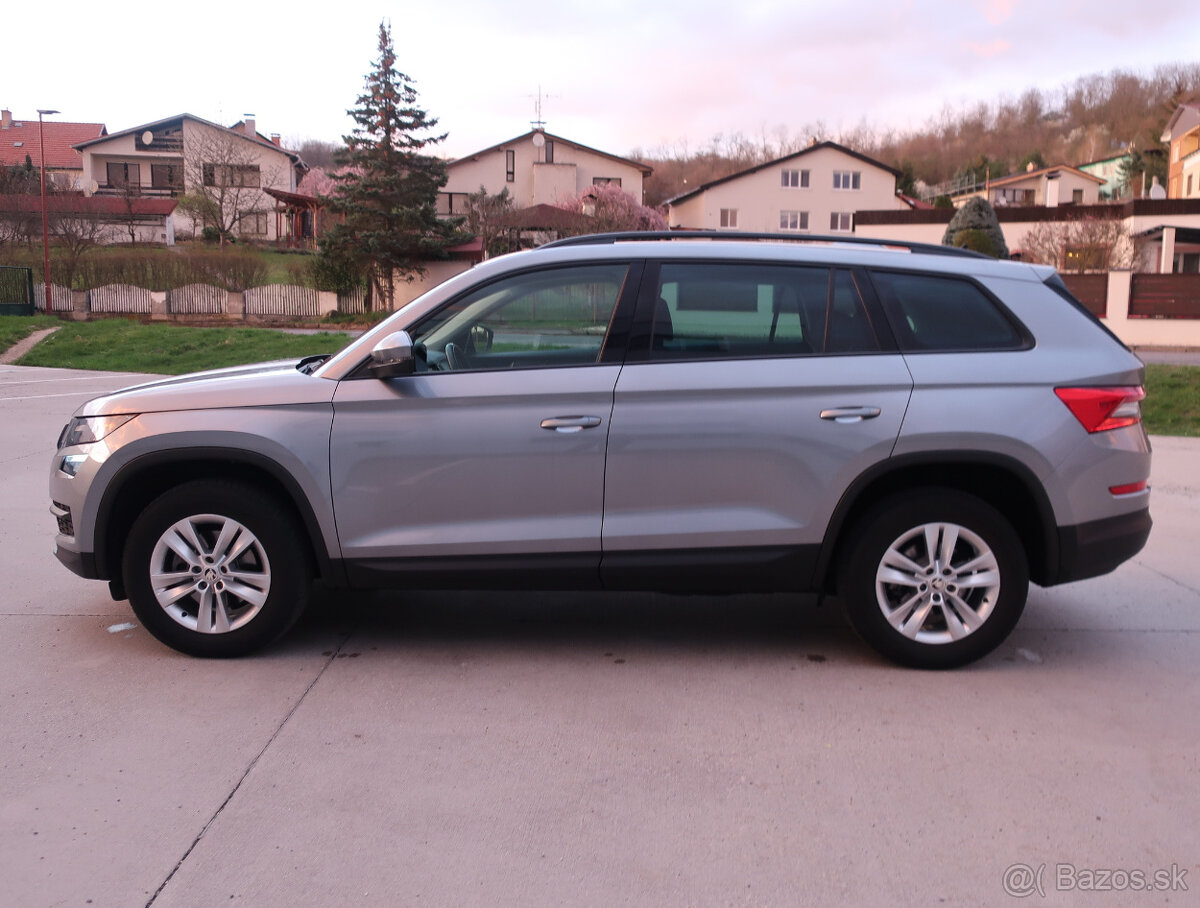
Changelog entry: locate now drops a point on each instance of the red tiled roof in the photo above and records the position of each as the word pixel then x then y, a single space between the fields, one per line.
pixel 543 217
pixel 98 205
pixel 21 138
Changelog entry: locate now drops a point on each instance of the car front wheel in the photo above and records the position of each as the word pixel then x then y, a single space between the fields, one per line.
pixel 934 578
pixel 216 569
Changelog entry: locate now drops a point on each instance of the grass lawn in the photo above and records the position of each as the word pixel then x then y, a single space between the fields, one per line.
pixel 116 345
pixel 15 327
pixel 1172 404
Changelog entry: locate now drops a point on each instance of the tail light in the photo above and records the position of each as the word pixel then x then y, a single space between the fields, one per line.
pixel 1102 409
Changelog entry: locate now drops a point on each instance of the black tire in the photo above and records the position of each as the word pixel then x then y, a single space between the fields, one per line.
pixel 915 609
pixel 239 589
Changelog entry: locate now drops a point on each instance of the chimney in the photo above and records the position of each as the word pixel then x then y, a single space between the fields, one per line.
pixel 248 120
pixel 5 119
pixel 275 140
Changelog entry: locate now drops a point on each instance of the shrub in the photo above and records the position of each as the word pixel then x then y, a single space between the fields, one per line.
pixel 977 216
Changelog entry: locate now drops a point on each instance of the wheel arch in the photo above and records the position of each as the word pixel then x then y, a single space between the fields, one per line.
pixel 146 477
pixel 1005 484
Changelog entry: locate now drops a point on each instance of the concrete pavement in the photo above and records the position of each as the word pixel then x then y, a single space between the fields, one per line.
pixel 546 749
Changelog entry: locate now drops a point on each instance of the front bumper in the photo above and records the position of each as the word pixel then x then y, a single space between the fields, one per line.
pixel 81 563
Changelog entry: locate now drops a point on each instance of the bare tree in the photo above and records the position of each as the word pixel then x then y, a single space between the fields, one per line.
pixel 76 229
pixel 1080 244
pixel 225 175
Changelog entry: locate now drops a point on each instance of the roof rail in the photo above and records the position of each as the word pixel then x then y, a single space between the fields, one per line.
pixel 633 236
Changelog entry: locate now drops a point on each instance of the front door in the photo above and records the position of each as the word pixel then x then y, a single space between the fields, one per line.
pixel 490 459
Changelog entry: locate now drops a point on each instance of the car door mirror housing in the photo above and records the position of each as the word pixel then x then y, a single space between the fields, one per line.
pixel 393 356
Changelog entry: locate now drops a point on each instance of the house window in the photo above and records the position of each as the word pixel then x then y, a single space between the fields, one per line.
pixel 729 217
pixel 122 175
pixel 793 220
pixel 549 151
pixel 794 179
pixel 510 166
pixel 1076 196
pixel 847 179
pixel 839 220
pixel 1189 186
pixel 253 224
pixel 244 176
pixel 166 176
pixel 1085 258
pixel 606 181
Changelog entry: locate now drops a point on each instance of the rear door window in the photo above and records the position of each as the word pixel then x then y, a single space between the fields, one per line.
pixel 725 311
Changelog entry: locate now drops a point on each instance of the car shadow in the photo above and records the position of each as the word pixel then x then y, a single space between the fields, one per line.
pixel 791 623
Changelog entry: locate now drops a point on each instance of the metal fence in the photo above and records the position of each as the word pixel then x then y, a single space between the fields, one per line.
pixel 1165 296
pixel 16 290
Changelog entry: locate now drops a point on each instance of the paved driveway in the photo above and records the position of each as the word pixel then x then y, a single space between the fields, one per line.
pixel 544 749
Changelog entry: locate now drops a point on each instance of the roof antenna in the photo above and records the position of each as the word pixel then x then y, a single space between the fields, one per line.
pixel 538 123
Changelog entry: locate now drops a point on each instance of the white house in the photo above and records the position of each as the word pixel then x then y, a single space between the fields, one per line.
pixel 1046 187
pixel 817 190
pixel 235 165
pixel 538 168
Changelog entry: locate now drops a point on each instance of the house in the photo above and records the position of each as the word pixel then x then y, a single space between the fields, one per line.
pixel 20 141
pixel 1165 233
pixel 230 167
pixel 538 168
pixel 816 190
pixel 1109 170
pixel 94 219
pixel 1183 136
pixel 1045 187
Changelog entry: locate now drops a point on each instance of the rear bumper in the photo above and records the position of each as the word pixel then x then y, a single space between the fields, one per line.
pixel 1095 548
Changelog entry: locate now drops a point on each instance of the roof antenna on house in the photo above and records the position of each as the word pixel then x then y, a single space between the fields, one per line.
pixel 538 123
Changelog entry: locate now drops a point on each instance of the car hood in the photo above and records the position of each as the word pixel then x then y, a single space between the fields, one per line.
pixel 271 384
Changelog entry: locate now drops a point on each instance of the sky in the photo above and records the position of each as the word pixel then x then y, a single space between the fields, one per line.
pixel 619 75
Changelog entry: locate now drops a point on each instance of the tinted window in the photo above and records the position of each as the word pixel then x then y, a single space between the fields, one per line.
pixel 943 313
pixel 709 310
pixel 557 317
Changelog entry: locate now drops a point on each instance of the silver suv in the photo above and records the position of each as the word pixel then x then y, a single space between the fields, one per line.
pixel 917 430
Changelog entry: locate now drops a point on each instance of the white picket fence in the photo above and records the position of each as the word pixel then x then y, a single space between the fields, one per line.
pixel 120 298
pixel 60 297
pixel 197 299
pixel 283 299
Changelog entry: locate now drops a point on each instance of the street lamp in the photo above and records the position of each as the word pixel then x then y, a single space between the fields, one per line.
pixel 45 221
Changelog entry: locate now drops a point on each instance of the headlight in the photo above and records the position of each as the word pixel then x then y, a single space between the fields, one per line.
pixel 86 430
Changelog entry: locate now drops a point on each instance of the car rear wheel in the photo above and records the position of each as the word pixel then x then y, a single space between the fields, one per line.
pixel 216 569
pixel 934 578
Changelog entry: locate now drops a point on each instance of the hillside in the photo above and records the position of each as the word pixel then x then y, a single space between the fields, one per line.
pixel 1091 118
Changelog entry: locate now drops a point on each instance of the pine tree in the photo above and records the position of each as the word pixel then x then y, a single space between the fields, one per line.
pixel 387 186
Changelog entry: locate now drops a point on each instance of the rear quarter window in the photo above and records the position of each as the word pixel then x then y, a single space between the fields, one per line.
pixel 932 312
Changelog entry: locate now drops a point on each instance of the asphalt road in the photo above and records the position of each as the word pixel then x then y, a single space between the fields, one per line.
pixel 545 749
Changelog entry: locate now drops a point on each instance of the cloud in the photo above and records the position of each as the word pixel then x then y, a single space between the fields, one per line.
pixel 996 48
pixel 998 11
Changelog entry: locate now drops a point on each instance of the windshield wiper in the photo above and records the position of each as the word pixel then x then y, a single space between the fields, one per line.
pixel 309 364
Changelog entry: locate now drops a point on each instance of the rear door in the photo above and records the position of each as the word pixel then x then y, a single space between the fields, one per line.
pixel 753 395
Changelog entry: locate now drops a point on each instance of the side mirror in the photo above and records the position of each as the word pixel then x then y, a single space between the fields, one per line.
pixel 393 356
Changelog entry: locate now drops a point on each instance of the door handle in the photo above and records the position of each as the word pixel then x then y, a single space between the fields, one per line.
pixel 570 424
pixel 850 414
